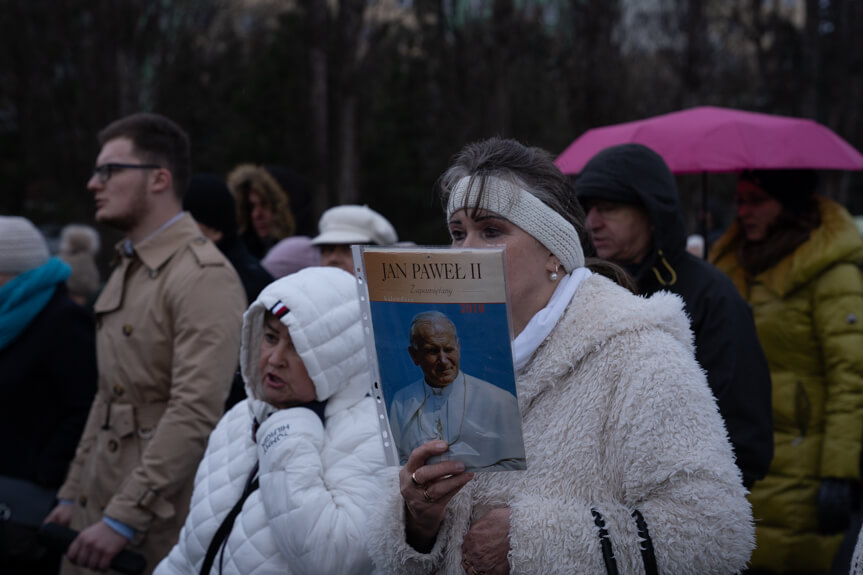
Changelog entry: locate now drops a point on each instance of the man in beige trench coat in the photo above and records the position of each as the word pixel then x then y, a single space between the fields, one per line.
pixel 168 328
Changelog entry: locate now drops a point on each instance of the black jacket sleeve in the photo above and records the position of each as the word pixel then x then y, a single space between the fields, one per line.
pixel 728 349
pixel 71 371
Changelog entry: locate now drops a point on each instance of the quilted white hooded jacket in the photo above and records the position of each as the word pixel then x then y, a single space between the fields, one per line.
pixel 617 418
pixel 317 482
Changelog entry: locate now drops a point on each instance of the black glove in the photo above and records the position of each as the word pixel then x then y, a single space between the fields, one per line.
pixel 838 499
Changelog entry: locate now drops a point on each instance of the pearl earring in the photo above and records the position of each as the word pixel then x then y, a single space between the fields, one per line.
pixel 553 275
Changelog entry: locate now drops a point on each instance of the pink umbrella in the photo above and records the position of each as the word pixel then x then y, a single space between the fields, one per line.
pixel 710 139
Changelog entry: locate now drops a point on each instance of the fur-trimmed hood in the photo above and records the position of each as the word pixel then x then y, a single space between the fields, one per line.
pixel 323 317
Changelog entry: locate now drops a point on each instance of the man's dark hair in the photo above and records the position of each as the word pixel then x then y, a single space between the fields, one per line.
pixel 157 140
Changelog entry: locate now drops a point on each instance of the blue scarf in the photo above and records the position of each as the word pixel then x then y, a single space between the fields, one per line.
pixel 27 294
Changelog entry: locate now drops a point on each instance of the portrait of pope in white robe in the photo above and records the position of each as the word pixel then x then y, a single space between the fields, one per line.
pixel 478 420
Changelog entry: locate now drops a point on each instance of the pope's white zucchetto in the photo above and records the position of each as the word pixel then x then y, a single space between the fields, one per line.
pixel 524 210
pixel 22 246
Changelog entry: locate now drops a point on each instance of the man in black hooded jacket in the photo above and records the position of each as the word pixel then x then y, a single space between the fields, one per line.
pixel 635 220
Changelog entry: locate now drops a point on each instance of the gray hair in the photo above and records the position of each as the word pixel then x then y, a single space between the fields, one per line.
pixel 432 317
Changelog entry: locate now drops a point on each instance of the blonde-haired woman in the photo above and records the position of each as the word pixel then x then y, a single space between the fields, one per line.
pixel 263 208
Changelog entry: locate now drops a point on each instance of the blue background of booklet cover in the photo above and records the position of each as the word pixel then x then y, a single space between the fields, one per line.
pixel 483 331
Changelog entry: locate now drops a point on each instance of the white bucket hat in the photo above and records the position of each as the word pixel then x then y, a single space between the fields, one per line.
pixel 354 225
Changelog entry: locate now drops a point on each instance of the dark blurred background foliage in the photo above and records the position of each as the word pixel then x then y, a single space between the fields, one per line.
pixel 368 99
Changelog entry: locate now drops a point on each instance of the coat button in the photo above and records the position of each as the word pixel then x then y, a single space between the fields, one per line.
pixel 119 389
pixel 112 445
pixel 127 330
pixel 851 319
pixel 83 501
pixel 153 274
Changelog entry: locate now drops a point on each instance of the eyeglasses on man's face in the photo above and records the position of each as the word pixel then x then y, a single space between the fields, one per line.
pixel 105 171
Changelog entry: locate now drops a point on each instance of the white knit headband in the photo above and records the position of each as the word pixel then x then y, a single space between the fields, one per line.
pixel 524 210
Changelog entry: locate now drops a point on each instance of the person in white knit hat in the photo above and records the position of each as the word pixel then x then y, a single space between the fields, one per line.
pixel 342 226
pixel 48 374
pixel 22 247
pixel 79 245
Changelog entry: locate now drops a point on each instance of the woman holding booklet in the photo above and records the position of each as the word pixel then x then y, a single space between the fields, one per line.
pixel 628 466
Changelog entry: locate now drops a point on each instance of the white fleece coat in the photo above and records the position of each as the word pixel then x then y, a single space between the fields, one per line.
pixel 617 417
pixel 317 482
pixel 857 559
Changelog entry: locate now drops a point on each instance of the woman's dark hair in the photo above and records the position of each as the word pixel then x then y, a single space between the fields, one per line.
pixel 795 191
pixel 532 169
pixel 247 178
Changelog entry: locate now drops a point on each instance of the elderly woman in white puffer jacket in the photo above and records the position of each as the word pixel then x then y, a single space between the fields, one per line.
pixel 298 463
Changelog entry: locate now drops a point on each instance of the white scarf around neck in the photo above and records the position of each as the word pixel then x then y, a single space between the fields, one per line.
pixel 543 321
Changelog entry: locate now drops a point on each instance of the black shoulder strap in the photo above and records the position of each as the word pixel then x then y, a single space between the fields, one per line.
pixel 252 483
pixel 647 553
pixel 605 543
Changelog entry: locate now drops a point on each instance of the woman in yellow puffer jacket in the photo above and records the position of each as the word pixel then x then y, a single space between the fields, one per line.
pixel 795 258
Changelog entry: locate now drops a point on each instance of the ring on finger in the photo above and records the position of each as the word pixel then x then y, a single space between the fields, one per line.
pixel 414 480
pixel 427 496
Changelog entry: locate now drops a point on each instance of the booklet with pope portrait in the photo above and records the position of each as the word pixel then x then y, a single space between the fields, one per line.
pixel 439 340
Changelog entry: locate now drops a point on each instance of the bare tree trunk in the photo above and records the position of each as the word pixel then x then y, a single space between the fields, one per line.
pixel 811 56
pixel 350 25
pixel 753 23
pixel 694 30
pixel 21 62
pixel 850 85
pixel 587 78
pixel 316 18
pixel 348 192
pixel 502 21
pixel 127 73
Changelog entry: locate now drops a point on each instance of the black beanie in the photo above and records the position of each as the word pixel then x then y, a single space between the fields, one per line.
pixel 791 188
pixel 211 203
